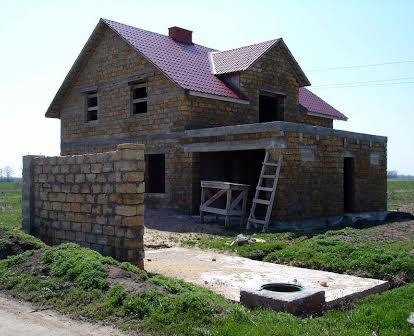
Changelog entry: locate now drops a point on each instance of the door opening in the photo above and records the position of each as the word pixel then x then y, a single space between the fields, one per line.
pixel 271 108
pixel 349 185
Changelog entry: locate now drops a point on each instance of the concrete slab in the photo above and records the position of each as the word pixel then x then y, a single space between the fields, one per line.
pixel 226 274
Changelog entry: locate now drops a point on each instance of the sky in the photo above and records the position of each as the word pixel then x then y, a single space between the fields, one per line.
pixel 341 45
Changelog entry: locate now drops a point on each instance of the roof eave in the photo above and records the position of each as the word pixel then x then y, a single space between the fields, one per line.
pixel 323 115
pixel 217 97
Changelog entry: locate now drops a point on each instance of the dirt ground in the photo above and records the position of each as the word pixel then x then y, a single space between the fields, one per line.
pixel 397 231
pixel 22 318
pixel 407 208
pixel 14 246
pixel 163 230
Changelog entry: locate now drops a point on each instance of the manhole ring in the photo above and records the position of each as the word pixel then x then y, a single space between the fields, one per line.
pixel 281 287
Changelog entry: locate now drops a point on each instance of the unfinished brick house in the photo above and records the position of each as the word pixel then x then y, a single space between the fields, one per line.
pixel 211 115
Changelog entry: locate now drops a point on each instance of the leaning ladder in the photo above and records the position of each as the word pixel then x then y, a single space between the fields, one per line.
pixel 265 174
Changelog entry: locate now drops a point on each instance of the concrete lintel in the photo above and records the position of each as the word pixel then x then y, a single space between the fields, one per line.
pixel 347 154
pixel 212 96
pixel 224 146
pixel 155 150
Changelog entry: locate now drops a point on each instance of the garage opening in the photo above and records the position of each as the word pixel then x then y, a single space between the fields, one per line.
pixel 232 166
pixel 155 173
pixel 271 108
pixel 349 185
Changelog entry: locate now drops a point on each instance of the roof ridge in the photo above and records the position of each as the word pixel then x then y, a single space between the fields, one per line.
pixel 246 46
pixel 150 31
pixel 124 24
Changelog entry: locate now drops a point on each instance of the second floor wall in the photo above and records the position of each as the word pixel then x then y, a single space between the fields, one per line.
pixel 114 70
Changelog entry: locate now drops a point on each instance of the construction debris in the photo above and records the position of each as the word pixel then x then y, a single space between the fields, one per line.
pixel 411 319
pixel 242 240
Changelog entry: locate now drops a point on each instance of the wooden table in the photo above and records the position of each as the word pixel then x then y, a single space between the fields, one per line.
pixel 234 193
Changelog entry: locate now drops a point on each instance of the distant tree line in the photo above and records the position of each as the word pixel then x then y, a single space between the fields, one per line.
pixel 6 174
pixel 393 174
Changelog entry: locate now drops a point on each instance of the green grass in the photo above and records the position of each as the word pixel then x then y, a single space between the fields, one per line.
pixel 400 193
pixel 74 280
pixel 10 205
pixel 10 213
pixel 360 252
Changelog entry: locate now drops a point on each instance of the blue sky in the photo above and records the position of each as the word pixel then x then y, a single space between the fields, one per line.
pixel 41 39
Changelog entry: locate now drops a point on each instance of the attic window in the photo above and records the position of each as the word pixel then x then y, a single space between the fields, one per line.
pixel 139 99
pixel 92 106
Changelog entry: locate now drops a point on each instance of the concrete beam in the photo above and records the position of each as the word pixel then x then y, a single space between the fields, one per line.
pixel 281 126
pixel 274 126
pixel 224 146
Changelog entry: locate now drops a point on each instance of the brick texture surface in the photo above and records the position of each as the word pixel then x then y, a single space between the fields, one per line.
pixel 88 199
pixel 307 189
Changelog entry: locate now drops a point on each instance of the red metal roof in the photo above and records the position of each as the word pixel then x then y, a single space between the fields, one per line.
pixel 239 59
pixel 186 64
pixel 314 104
pixel 193 67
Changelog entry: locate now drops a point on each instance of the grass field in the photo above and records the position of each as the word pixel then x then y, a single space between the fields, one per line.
pixel 75 280
pixel 10 201
pixel 400 193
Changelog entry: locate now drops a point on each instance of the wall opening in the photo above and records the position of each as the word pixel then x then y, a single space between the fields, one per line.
pixel 349 185
pixel 271 108
pixel 155 173
pixel 139 98
pixel 92 107
pixel 231 166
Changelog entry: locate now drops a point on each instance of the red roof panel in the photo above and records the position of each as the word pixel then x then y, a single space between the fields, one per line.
pixel 314 104
pixel 193 67
pixel 239 59
pixel 186 64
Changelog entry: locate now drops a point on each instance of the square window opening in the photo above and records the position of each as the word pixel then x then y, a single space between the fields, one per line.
pixel 155 173
pixel 271 108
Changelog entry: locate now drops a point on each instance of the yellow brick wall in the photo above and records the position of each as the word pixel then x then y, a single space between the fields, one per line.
pixel 95 200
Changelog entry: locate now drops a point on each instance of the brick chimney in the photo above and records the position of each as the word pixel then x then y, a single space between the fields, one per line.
pixel 181 35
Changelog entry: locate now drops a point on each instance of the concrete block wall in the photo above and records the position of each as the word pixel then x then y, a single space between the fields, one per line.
pixel 313 188
pixel 95 200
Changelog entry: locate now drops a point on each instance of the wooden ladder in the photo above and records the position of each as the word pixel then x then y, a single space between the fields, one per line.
pixel 265 174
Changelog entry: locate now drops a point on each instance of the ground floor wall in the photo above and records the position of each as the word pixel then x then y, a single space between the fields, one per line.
pixel 321 167
pixel 95 200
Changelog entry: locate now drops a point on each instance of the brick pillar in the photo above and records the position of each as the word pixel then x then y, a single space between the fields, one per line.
pixel 27 194
pixel 129 205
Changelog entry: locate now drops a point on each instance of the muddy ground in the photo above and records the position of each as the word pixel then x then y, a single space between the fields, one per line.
pixel 22 318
